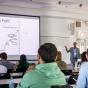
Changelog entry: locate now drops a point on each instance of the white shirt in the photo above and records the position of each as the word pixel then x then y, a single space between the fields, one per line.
pixel 3 69
pixel 83 76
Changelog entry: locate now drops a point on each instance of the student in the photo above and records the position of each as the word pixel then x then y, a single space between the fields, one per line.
pixel 61 64
pixel 4 62
pixel 22 64
pixel 82 81
pixel 46 73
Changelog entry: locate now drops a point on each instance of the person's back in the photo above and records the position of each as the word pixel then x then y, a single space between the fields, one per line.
pixel 45 74
pixel 61 64
pixel 3 69
pixel 7 64
pixel 82 81
pixel 4 62
pixel 83 76
pixel 22 65
pixel 20 68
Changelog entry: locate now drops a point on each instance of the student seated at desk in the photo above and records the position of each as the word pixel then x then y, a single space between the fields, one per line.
pixel 61 64
pixel 45 74
pixel 4 61
pixel 22 64
pixel 82 81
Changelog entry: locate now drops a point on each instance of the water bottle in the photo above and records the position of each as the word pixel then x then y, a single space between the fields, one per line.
pixel 11 83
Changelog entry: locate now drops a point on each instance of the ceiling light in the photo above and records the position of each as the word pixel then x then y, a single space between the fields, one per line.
pixel 59 2
pixel 80 5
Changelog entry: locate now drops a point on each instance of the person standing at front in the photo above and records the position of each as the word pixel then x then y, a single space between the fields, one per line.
pixel 74 53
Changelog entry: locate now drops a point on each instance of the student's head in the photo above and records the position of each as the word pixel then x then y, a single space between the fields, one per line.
pixel 23 58
pixel 74 44
pixel 83 56
pixel 3 56
pixel 47 53
pixel 59 55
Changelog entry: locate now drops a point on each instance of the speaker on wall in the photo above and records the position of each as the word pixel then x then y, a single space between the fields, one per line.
pixel 78 24
pixel 72 28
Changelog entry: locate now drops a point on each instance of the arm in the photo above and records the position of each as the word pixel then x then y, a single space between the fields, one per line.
pixel 67 49
pixel 14 68
pixel 25 83
pixel 81 78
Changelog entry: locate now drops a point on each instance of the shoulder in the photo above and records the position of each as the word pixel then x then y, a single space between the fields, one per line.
pixel 10 63
pixel 85 64
pixel 32 74
pixel 1 66
pixel 84 67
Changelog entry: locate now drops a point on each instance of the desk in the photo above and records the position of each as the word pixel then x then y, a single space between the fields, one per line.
pixel 16 74
pixel 75 71
pixel 74 86
pixel 6 81
pixel 67 76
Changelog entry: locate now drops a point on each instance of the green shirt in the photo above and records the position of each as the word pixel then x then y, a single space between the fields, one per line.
pixel 61 64
pixel 44 76
pixel 26 64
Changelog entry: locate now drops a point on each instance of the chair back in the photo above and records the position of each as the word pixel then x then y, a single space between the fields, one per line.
pixel 9 70
pixel 67 72
pixel 4 76
pixel 16 75
pixel 63 86
pixel 72 79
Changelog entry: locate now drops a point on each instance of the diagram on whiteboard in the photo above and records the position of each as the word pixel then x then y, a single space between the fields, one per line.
pixel 9 35
pixel 13 39
pixel 19 35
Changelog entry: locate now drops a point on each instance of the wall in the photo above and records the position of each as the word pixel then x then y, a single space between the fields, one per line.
pixel 52 27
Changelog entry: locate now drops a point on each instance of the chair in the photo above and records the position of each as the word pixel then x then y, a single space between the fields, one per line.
pixel 9 70
pixel 4 86
pixel 71 79
pixel 16 75
pixel 64 86
pixel 67 72
pixel 70 67
pixel 4 76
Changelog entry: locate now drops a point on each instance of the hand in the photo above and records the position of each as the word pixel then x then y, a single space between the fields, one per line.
pixel 65 46
pixel 31 67
pixel 17 63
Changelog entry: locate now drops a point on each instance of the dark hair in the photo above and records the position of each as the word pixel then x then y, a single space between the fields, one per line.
pixel 83 56
pixel 48 52
pixel 4 55
pixel 23 58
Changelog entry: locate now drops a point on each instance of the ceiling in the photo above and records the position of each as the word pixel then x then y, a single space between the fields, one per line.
pixel 74 6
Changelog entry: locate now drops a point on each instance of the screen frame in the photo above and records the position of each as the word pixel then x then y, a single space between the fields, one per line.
pixel 29 57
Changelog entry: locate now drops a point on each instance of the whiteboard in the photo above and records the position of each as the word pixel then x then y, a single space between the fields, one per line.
pixel 60 42
pixel 19 35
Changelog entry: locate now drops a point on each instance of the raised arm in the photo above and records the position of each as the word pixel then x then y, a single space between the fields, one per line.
pixel 67 49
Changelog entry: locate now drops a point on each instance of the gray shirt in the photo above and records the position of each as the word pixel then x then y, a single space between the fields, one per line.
pixel 7 64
